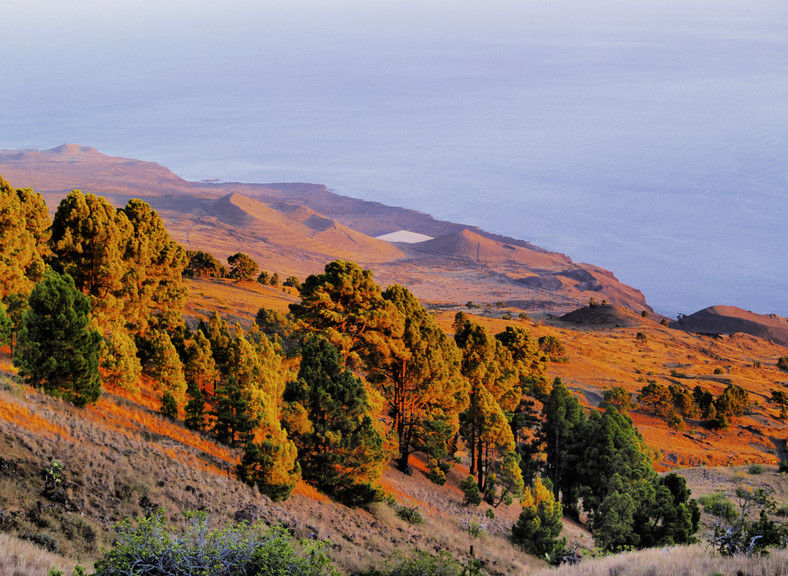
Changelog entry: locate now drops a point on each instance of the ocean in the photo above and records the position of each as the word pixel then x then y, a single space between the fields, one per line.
pixel 649 138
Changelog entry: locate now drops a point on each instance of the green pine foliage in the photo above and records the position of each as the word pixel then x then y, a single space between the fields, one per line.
pixel 345 306
pixel 6 327
pixel 169 407
pixel 234 422
pixel 119 366
pixel 204 265
pixel 154 264
pixel 270 464
pixel 200 368
pixel 56 349
pixel 495 391
pixel 539 526
pixel 195 407
pixel 470 490
pixel 328 417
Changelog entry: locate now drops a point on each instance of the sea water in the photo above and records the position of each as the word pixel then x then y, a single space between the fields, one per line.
pixel 647 137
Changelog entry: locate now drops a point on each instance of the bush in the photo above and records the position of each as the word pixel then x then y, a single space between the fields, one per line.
pixel 676 422
pixel 474 528
pixel 46 541
pixel 470 488
pixel 409 515
pixel 153 550
pixel 782 363
pixel 755 469
pixel 718 505
pixel 745 535
pixel 423 564
pixel 782 467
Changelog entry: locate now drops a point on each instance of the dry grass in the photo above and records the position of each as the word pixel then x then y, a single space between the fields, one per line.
pixel 22 558
pixel 682 561
pixel 121 459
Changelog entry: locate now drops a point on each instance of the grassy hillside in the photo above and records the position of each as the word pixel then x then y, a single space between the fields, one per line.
pixel 121 458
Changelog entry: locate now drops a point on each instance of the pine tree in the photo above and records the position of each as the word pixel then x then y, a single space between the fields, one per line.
pixel 539 525
pixel 234 423
pixel 561 415
pixel 169 406
pixel 88 242
pixel 494 392
pixel 165 366
pixel 327 416
pixel 24 232
pixel 119 366
pixel 6 328
pixel 242 267
pixel 204 265
pixel 153 282
pixel 200 367
pixel 56 348
pixel 218 334
pixel 195 407
pixel 420 380
pixel 346 306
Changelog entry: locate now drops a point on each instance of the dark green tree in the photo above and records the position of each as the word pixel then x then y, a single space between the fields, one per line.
pixel 628 504
pixel 169 406
pixel 562 418
pixel 234 422
pixel 195 407
pixel 242 267
pixel 327 415
pixel 56 348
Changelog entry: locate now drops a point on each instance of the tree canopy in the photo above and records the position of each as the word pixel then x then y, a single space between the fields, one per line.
pixel 56 348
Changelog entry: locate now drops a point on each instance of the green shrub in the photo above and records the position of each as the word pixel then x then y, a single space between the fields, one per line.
pixel 782 363
pixel 718 505
pixel 153 550
pixel 782 467
pixel 46 541
pixel 421 564
pixel 470 488
pixel 755 469
pixel 409 515
pixel 474 528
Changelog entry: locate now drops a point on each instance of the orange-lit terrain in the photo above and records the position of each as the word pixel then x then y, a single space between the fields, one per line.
pixel 602 355
pixel 121 458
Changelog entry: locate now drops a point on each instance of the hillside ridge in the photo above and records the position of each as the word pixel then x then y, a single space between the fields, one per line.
pixel 295 228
